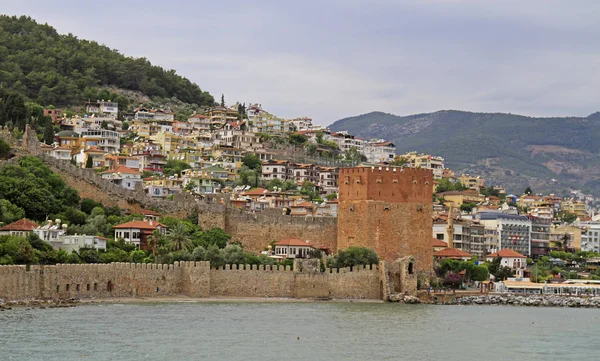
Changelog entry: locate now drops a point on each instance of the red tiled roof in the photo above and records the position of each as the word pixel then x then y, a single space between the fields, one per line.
pixel 438 243
pixel 140 225
pixel 20 225
pixel 451 253
pixel 305 205
pixel 256 192
pixel 506 253
pixel 122 169
pixel 293 242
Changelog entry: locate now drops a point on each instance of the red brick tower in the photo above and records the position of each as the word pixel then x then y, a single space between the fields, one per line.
pixel 389 210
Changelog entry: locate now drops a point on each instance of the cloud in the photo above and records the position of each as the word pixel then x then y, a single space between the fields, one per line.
pixel 330 59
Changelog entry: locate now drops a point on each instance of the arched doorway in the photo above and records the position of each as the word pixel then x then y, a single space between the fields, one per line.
pixel 109 286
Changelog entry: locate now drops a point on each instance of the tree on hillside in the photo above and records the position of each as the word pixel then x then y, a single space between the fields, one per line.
pixel 48 133
pixel 528 191
pixel 50 68
pixel 252 161
pixel 4 149
pixel 297 139
pixel 89 163
pixel 179 237
pixel 399 161
pixel 175 167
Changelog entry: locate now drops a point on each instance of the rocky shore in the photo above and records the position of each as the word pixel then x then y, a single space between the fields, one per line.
pixel 9 305
pixel 530 300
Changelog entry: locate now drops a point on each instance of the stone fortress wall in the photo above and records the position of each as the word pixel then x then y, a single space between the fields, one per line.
pixel 198 279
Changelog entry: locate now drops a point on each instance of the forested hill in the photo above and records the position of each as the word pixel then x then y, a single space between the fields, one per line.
pixel 548 154
pixel 49 68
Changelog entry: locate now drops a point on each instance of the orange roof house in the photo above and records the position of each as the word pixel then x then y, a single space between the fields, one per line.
pixel 22 227
pixel 438 245
pixel 452 253
pixel 139 232
pixel 292 248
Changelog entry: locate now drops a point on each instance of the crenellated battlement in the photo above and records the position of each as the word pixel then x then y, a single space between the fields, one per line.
pixel 194 279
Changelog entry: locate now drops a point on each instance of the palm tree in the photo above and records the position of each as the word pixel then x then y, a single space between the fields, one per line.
pixel 179 236
pixel 155 240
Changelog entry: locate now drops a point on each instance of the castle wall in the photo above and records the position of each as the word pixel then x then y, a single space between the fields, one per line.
pixel 252 281
pixel 257 231
pixel 193 279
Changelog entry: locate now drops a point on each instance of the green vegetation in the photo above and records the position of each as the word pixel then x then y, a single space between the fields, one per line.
pixel 4 149
pixel 399 161
pixel 33 189
pixel 297 139
pixel 449 269
pixel 50 68
pixel 175 167
pixel 445 185
pixel 251 161
pixel 353 256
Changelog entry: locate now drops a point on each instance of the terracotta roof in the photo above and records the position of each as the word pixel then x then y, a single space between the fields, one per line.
pixel 140 225
pixel 451 253
pixel 305 205
pixel 122 169
pixel 256 192
pixel 293 242
pixel 438 243
pixel 506 253
pixel 20 225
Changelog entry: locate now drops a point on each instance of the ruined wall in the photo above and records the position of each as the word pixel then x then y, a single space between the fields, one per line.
pixel 193 279
pixel 388 210
pixel 91 185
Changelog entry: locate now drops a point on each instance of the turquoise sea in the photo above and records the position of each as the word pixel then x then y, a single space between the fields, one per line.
pixel 298 331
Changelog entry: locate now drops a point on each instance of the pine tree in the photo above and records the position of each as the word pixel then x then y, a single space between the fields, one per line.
pixel 48 133
pixel 89 163
pixel 223 100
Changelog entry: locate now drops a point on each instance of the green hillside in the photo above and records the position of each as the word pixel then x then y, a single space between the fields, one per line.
pixel 512 150
pixel 49 68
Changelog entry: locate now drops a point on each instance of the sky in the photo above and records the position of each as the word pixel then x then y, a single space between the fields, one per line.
pixel 332 59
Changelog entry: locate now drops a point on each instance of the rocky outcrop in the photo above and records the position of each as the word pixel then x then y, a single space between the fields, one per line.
pixel 530 300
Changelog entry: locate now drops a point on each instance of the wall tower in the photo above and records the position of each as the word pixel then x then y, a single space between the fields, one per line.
pixel 389 210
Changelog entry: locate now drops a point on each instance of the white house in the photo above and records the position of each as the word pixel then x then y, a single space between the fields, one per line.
pixel 292 248
pixel 76 242
pixel 509 258
pixel 125 177
pixel 139 232
pixel 51 231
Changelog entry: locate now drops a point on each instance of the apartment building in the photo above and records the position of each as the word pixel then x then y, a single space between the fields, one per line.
pixel 426 161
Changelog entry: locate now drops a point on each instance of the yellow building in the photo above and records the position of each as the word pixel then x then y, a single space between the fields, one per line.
pixel 558 233
pixel 168 142
pixel 457 198
pixel 575 207
pixel 472 182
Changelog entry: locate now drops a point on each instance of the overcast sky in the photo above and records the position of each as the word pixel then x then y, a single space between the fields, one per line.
pixel 331 59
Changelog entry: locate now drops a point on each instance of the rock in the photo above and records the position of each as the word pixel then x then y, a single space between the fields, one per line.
pixel 411 300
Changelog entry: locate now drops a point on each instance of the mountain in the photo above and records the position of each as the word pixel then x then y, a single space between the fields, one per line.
pixel 547 154
pixel 50 68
